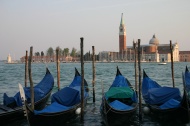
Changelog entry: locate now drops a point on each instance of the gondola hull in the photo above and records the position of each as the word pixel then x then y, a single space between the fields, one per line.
pixel 8 114
pixel 17 113
pixel 113 117
pixel 64 104
pixel 119 103
pixel 165 111
pixel 181 114
pixel 52 119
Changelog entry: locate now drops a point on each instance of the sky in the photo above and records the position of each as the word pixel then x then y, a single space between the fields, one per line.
pixel 51 23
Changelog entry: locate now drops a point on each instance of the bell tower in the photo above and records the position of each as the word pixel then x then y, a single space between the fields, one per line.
pixel 122 36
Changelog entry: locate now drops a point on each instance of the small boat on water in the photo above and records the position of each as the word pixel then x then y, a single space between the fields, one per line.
pixel 65 105
pixel 165 103
pixel 119 103
pixel 162 63
pixel 12 108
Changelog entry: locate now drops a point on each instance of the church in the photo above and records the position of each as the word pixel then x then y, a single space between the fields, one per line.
pixel 152 52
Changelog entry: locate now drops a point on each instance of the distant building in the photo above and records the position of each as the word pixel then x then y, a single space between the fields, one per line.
pixel 9 59
pixel 122 36
pixel 156 52
pixel 108 56
pixel 184 56
pixel 152 52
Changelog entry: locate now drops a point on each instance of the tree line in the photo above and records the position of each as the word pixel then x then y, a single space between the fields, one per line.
pixel 62 52
pixel 65 52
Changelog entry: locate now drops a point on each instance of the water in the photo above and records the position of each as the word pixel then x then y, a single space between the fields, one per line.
pixel 12 74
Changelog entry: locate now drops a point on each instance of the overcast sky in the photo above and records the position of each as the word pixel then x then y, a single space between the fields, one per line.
pixel 51 23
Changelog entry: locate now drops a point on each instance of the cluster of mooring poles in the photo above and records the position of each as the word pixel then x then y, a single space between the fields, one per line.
pixel 28 72
pixel 137 51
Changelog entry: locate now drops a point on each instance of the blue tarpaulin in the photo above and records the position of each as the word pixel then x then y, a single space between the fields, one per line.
pixel 38 94
pixel 163 94
pixel 54 107
pixel 120 81
pixel 119 105
pixel 76 81
pixel 148 84
pixel 66 96
pixel 40 90
pixel 154 94
pixel 172 103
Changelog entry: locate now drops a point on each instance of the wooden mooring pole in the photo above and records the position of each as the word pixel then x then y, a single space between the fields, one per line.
pixel 82 84
pixel 58 68
pixel 139 65
pixel 135 65
pixel 172 65
pixel 30 78
pixel 94 72
pixel 26 69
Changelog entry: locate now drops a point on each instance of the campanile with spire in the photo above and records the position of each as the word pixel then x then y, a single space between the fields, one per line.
pixel 122 36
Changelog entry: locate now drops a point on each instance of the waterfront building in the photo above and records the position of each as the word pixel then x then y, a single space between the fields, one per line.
pixel 122 36
pixel 108 56
pixel 151 52
pixel 156 52
pixel 184 56
pixel 9 59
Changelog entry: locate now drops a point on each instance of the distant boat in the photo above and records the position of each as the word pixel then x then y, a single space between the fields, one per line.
pixel 163 63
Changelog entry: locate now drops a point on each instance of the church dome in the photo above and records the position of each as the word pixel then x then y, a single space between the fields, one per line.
pixel 154 41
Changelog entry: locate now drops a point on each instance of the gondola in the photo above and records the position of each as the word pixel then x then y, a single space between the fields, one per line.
pixel 119 103
pixel 187 80
pixel 12 108
pixel 64 106
pixel 165 103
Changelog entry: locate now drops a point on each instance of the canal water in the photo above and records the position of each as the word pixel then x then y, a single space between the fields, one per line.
pixel 12 74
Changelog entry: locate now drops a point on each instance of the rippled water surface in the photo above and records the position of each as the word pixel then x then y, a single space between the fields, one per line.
pixel 12 74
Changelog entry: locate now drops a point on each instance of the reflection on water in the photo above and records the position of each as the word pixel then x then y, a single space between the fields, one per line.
pixel 12 74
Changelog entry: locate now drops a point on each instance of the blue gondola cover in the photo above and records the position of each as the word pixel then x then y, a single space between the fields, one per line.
pixel 172 103
pixel 154 94
pixel 66 96
pixel 120 106
pixel 54 107
pixel 120 81
pixel 40 90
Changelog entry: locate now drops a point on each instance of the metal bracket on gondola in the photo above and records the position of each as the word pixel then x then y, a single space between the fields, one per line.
pixel 108 110
pixel 23 98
